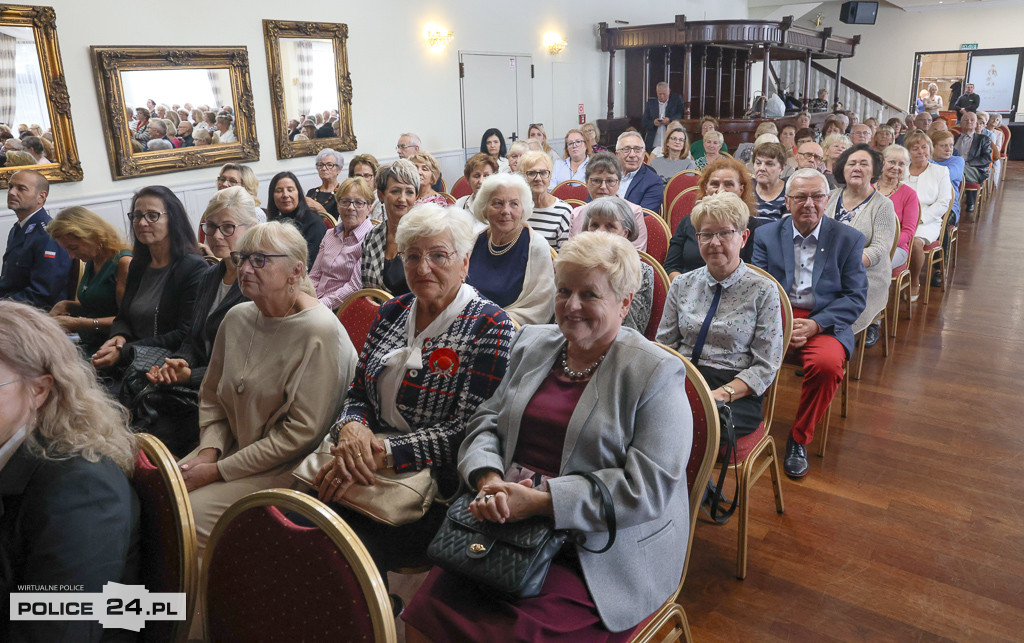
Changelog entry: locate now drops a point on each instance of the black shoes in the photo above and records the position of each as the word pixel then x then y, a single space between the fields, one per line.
pixel 872 335
pixel 937 279
pixel 795 465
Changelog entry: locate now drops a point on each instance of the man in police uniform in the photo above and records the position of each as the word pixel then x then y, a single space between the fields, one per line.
pixel 35 269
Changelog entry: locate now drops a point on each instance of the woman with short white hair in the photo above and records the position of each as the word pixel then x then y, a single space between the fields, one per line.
pixel 515 151
pixel 713 141
pixel 510 263
pixel 551 216
pixel 328 166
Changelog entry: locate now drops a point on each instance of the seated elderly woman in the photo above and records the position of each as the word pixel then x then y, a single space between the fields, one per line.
pixel 511 263
pixel 713 142
pixel 707 124
pixel 232 174
pixel 833 147
pixel 430 172
pixel 743 349
pixel 858 204
pixel 380 267
pixel 593 134
pixel 573 166
pixel 604 174
pixel 585 396
pixel 228 216
pixel 365 166
pixel 942 154
pixel 675 153
pixel 883 138
pixel 934 189
pixel 612 214
pixel 99 246
pixel 272 386
pixel 478 168
pixel 515 151
pixel 288 205
pixel 551 216
pixel 336 272
pixel 724 175
pixel 69 512
pixel 769 188
pixel 894 184
pixel 329 165
pixel 202 137
pixel 431 357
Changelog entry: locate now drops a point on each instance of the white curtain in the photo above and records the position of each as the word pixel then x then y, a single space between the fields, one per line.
pixel 304 58
pixel 217 86
pixel 31 105
pixel 8 85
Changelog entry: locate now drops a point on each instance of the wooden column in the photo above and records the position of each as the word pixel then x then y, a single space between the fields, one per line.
pixel 839 80
pixel 733 91
pixel 719 56
pixel 687 79
pixel 668 66
pixel 703 78
pixel 746 79
pixel 807 79
pixel 647 76
pixel 611 84
pixel 764 72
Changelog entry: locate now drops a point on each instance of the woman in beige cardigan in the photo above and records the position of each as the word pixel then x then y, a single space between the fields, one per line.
pixel 271 389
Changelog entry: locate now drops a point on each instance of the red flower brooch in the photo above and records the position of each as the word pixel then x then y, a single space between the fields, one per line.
pixel 443 361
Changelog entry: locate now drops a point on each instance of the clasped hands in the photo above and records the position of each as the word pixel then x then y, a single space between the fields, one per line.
pixel 500 501
pixel 803 330
pixel 173 371
pixel 201 470
pixel 358 454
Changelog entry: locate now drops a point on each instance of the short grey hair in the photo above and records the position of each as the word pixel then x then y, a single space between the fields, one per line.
pixel 159 144
pixel 518 147
pixel 715 134
pixel 335 156
pixel 603 162
pixel 612 207
pixel 898 150
pixel 606 252
pixel 806 173
pixel 534 145
pixel 497 181
pixel 403 171
pixel 430 219
pixel 661 85
pixel 159 124
pixel 275 237
pixel 623 136
pixel 415 139
pixel 237 201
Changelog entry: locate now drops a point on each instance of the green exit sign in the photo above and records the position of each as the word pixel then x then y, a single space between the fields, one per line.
pixel 969 45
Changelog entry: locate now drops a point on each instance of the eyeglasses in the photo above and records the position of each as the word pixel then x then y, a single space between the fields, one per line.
pixel 349 203
pixel 327 166
pixel 226 229
pixel 228 180
pixel 636 149
pixel 436 258
pixel 256 259
pixel 532 125
pixel 533 174
pixel 596 182
pixel 676 139
pixel 574 143
pixel 402 148
pixel 704 238
pixel 810 156
pixel 12 382
pixel 817 198
pixel 151 216
pixel 368 177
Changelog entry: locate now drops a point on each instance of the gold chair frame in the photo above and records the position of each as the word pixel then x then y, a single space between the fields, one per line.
pixel 937 255
pixel 883 314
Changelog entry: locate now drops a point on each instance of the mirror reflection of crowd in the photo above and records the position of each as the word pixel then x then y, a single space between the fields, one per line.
pixel 161 127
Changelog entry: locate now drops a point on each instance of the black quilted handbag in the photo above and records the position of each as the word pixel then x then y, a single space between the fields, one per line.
pixel 512 558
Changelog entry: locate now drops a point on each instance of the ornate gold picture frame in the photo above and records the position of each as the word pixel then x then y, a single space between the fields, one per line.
pixel 285 76
pixel 109 66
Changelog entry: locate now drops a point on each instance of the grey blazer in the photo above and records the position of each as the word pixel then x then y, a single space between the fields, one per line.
pixel 633 428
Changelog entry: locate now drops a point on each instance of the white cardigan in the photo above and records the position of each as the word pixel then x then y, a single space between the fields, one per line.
pixel 934 191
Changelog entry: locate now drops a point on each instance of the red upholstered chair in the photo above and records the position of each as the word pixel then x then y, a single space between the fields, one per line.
pixel 267 578
pixel 658 236
pixel 661 284
pixel 358 311
pixel 681 206
pixel 571 190
pixel 444 186
pixel 167 535
pixel 669 622
pixel 329 220
pixel 461 188
pixel 449 198
pixel 935 255
pixel 683 181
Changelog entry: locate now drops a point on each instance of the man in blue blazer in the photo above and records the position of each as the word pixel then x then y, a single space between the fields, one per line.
pixel 35 269
pixel 658 113
pixel 640 184
pixel 818 261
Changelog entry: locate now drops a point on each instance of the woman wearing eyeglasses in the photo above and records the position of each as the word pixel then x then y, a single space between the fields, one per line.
pixel 228 216
pixel 675 154
pixel 551 216
pixel 328 166
pixel 573 166
pixel 278 372
pixel 288 204
pixel 335 273
pixel 163 280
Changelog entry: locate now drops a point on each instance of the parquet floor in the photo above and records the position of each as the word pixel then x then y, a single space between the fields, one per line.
pixel 912 525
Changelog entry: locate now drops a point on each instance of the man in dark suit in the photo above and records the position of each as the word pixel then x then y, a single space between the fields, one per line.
pixel 818 261
pixel 966 103
pixel 640 184
pixel 976 148
pixel 658 113
pixel 35 269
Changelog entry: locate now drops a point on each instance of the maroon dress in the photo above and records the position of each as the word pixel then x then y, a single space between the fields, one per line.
pixel 448 607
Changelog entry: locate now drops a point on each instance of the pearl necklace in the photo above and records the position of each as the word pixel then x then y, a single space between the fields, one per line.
pixel 581 375
pixel 493 248
pixel 241 383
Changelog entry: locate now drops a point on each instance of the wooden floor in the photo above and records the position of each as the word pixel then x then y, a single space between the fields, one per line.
pixel 912 525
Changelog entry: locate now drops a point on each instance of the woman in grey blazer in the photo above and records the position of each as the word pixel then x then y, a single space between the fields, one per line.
pixel 586 395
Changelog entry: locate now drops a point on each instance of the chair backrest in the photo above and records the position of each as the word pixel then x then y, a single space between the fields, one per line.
pixel 461 188
pixel 358 311
pixel 787 333
pixel 681 206
pixel 1006 139
pixel 661 284
pixel 704 450
pixel 200 233
pixel 682 181
pixel 444 186
pixel 449 198
pixel 575 203
pixel 658 236
pixel 266 578
pixel 571 190
pixel 167 544
pixel 329 220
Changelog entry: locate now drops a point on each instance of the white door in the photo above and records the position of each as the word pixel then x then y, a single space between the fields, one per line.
pixel 497 91
pixel 566 97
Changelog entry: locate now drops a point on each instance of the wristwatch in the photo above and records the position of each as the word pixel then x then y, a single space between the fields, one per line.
pixel 730 390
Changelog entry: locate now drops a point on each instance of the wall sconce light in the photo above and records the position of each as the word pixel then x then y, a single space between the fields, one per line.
pixel 554 42
pixel 437 37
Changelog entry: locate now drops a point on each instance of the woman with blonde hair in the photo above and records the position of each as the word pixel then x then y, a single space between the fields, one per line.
pixel 66 453
pixel 573 166
pixel 336 273
pixel 932 101
pixel 106 255
pixel 593 134
pixel 430 172
pixel 551 217
pixel 675 154
pixel 884 137
pixel 537 132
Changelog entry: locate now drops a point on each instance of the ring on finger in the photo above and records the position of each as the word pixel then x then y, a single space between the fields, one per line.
pixel 359 455
pixel 488 496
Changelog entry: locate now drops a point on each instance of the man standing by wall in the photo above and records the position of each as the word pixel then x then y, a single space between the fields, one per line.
pixel 658 113
pixel 968 102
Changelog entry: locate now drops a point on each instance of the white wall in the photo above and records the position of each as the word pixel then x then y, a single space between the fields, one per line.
pixel 884 62
pixel 399 85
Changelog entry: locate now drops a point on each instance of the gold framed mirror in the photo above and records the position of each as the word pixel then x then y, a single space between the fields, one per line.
pixel 137 84
pixel 33 93
pixel 307 63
